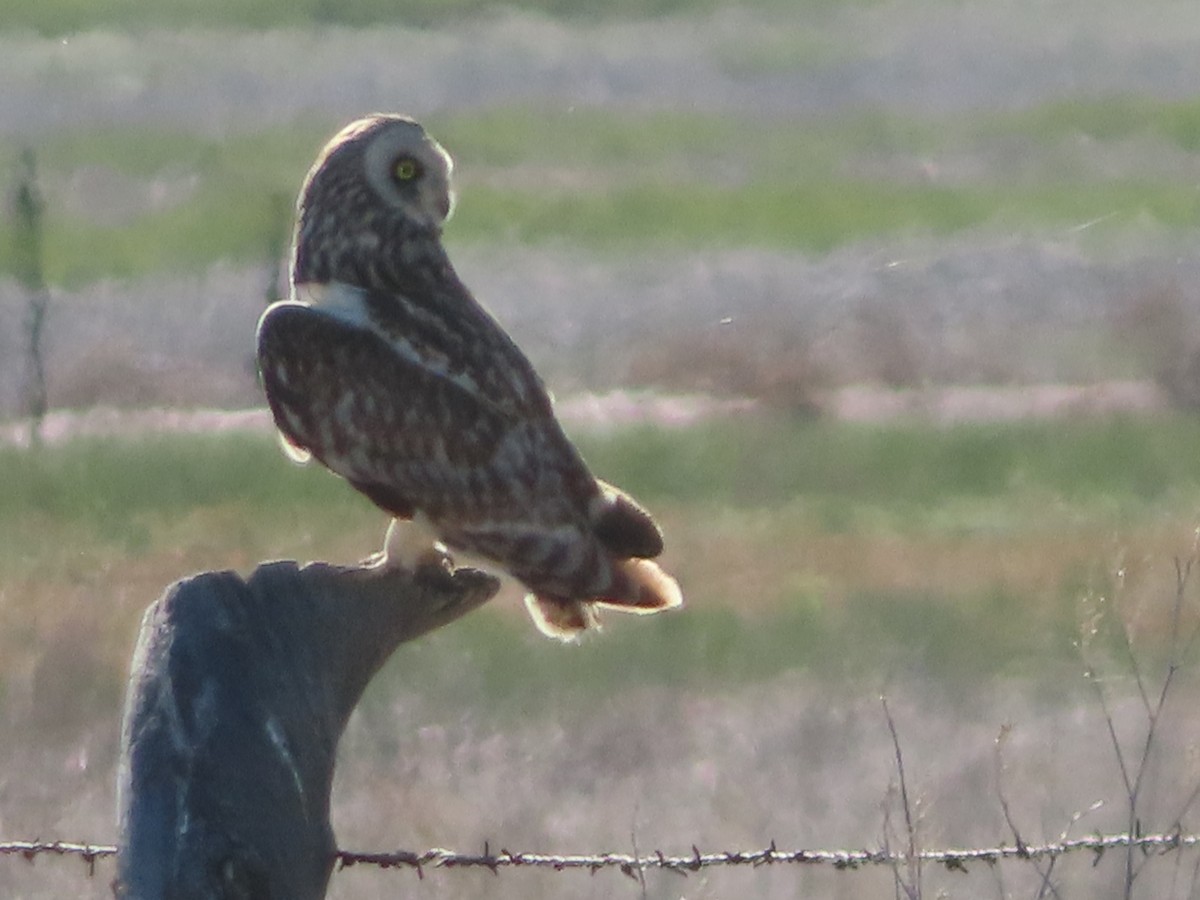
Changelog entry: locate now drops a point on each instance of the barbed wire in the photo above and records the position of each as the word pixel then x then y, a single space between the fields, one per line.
pixel 30 850
pixel 631 864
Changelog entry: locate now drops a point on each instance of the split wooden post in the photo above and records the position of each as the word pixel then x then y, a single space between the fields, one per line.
pixel 239 692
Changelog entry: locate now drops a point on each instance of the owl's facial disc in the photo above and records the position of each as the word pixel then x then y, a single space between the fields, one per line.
pixel 411 172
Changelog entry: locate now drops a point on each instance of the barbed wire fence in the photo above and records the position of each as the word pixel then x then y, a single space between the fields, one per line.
pixel 954 860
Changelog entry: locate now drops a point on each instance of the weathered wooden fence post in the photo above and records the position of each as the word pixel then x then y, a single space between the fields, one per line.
pixel 239 692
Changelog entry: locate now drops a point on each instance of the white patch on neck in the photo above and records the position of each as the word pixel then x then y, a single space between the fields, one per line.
pixel 348 305
pixel 342 301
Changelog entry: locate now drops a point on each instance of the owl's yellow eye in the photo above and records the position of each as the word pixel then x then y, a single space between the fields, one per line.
pixel 406 169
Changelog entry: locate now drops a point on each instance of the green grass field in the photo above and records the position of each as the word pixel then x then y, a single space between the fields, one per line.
pixel 65 16
pixel 857 554
pixel 613 181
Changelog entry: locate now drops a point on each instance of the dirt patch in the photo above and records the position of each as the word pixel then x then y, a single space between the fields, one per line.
pixel 951 405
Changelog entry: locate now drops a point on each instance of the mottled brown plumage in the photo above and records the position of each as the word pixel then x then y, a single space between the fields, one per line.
pixel 383 366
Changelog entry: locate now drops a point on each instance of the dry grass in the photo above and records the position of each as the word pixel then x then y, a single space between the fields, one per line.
pixel 754 563
pixel 763 358
pixel 749 559
pixel 1161 326
pixel 120 376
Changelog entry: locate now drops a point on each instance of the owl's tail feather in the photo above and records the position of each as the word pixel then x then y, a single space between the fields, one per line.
pixel 640 586
pixel 565 620
pixel 623 526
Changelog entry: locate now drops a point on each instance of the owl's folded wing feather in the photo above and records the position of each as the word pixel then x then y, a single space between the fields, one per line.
pixel 402 425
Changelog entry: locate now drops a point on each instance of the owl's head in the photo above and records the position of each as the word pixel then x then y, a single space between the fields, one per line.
pixel 378 183
pixel 393 161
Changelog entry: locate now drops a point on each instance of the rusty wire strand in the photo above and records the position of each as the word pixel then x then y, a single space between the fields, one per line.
pixel 437 858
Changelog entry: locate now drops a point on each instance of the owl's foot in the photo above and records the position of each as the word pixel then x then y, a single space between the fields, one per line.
pixel 411 545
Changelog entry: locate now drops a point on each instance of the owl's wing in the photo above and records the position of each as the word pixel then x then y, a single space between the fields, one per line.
pixel 428 419
pixel 472 446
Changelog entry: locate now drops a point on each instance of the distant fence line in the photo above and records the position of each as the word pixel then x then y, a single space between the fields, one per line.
pixel 633 864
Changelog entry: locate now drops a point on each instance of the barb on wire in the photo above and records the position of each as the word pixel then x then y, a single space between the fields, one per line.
pixel 952 859
pixel 89 853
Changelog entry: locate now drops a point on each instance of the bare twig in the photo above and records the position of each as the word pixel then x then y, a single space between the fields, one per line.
pixel 911 886
pixel 639 871
pixel 1127 648
pixel 897 878
pixel 1192 887
pixel 1134 771
pixel 1045 872
pixel 29 267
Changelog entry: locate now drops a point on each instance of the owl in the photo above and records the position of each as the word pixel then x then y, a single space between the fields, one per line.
pixel 383 366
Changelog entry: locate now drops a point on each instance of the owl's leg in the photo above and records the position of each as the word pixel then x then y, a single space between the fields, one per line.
pixel 412 544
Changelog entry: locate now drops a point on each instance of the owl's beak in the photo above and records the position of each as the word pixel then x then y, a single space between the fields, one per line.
pixel 446 205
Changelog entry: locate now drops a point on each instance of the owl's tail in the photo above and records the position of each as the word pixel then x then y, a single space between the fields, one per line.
pixel 639 586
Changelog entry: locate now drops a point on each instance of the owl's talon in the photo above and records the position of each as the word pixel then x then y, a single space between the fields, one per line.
pixel 412 545
pixel 436 557
pixel 376 560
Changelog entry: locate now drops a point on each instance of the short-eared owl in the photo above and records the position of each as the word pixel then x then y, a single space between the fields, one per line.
pixel 384 367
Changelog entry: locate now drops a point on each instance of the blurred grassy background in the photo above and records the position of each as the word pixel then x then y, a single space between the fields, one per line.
pixel 59 16
pixel 620 180
pixel 767 201
pixel 873 552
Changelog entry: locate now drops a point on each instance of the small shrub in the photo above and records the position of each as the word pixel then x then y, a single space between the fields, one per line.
pixel 1165 335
